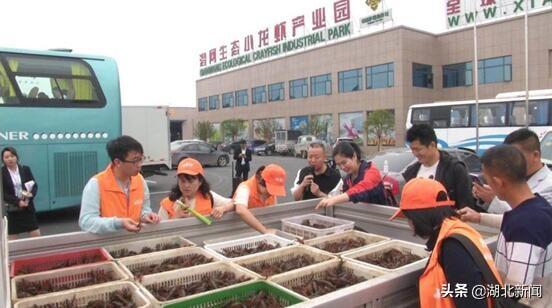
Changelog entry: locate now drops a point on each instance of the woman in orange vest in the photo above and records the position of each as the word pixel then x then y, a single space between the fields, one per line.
pixel 451 268
pixel 260 190
pixel 194 191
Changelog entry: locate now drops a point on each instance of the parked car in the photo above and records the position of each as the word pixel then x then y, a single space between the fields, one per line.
pixel 302 146
pixel 205 153
pixel 252 144
pixel 393 162
pixel 264 149
pixel 177 143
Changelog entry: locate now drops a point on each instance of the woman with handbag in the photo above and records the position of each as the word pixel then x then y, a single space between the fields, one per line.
pixel 19 188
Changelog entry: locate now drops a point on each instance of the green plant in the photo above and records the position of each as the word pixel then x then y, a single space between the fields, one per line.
pixel 379 123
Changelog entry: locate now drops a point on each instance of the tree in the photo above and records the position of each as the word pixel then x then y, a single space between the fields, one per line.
pixel 379 123
pixel 318 127
pixel 204 130
pixel 232 127
pixel 265 128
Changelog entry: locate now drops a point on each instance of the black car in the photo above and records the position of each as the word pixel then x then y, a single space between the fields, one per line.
pixel 265 149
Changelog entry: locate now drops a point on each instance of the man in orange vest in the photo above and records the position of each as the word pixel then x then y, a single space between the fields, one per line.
pixel 258 191
pixel 430 212
pixel 118 197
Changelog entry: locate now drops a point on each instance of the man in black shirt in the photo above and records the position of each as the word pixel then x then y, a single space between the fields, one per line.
pixel 318 179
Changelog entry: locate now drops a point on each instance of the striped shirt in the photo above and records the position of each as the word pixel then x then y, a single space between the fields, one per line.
pixel 524 249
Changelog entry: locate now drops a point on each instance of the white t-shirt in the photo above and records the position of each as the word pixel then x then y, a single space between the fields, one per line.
pixel 218 201
pixel 242 196
pixel 428 172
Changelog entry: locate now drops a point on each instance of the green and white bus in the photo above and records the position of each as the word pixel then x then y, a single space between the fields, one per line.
pixel 58 110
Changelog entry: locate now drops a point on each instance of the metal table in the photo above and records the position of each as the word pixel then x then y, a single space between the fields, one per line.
pixel 396 290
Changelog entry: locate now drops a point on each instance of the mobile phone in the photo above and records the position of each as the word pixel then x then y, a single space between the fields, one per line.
pixel 478 180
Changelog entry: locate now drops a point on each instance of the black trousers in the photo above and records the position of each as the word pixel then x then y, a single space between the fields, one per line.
pixel 242 173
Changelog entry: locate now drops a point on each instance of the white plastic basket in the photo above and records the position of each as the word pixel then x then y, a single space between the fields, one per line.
pixel 71 277
pixel 291 279
pixel 379 249
pixel 247 243
pixel 138 245
pixel 131 263
pixel 284 254
pixel 294 225
pixel 370 239
pixel 191 275
pixel 82 297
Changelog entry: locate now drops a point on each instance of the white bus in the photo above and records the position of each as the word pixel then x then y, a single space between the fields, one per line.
pixel 454 122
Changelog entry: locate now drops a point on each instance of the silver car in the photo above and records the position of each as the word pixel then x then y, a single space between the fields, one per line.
pixel 205 153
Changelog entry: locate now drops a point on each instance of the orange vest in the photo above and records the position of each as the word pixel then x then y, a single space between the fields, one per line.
pixel 254 196
pixel 433 278
pixel 114 202
pixel 202 205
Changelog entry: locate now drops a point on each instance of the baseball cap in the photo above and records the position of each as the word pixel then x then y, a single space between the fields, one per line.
pixel 275 179
pixel 189 166
pixel 420 193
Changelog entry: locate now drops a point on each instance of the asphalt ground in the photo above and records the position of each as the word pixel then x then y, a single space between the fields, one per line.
pixel 220 179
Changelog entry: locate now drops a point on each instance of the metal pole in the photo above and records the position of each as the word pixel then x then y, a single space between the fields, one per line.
pixel 476 77
pixel 526 64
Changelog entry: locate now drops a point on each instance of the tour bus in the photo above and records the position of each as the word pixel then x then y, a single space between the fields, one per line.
pixel 58 110
pixel 455 122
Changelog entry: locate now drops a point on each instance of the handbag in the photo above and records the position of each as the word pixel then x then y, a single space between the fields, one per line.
pixel 488 276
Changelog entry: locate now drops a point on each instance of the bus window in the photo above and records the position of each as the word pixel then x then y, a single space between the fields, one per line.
pixel 439 116
pixel 7 93
pixel 459 116
pixel 47 82
pixel 420 115
pixel 538 113
pixel 491 114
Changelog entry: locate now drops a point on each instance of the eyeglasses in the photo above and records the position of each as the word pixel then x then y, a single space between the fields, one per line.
pixel 135 161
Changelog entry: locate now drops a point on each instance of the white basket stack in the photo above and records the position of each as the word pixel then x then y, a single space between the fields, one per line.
pixel 191 275
pixel 294 225
pixel 296 278
pixel 378 250
pixel 369 239
pixel 137 246
pixel 284 254
pixel 70 277
pixel 82 297
pixel 132 263
pixel 249 242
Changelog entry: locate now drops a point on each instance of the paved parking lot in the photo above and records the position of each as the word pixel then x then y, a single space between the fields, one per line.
pixel 220 179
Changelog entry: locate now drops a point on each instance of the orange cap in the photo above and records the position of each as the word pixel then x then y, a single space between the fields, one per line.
pixel 275 179
pixel 420 193
pixel 189 166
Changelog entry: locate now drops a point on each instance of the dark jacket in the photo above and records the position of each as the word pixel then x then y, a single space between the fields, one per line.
pixel 7 185
pixel 326 181
pixel 238 159
pixel 453 174
pixel 367 187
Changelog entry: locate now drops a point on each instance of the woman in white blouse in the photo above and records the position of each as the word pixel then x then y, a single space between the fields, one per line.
pixel 19 191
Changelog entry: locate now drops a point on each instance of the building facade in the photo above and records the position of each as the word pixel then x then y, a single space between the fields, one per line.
pixel 338 85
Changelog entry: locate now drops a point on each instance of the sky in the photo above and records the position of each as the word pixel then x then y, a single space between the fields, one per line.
pixel 157 43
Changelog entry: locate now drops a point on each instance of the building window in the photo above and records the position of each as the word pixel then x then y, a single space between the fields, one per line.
pixel 457 75
pixel 202 104
pixel 276 92
pixel 227 100
pixel 494 70
pixel 350 81
pixel 321 85
pixel 213 102
pixel 259 94
pixel 241 98
pixel 298 88
pixel 422 75
pixel 380 76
